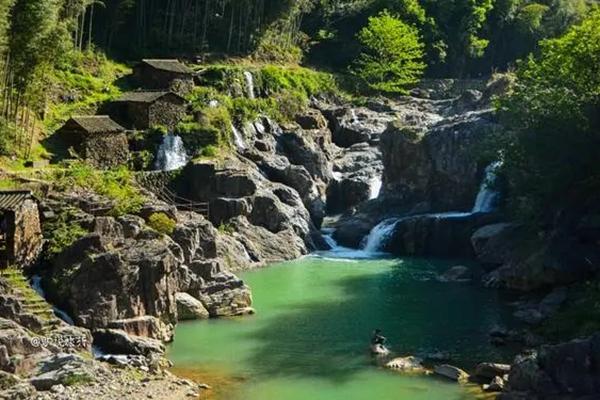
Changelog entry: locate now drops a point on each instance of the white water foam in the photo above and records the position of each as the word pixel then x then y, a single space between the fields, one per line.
pixel 379 234
pixel 487 198
pixel 249 84
pixel 375 185
pixel 240 143
pixel 171 154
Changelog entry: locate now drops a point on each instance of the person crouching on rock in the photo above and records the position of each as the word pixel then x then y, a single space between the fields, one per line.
pixel 378 343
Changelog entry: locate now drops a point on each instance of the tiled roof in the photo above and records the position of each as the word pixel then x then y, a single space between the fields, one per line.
pixel 11 199
pixel 144 97
pixel 168 65
pixel 98 124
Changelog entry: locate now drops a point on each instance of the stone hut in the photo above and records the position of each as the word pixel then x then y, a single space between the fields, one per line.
pixel 164 74
pixel 97 139
pixel 20 229
pixel 142 110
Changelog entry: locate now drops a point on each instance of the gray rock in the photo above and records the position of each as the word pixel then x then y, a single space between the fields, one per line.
pixel 458 273
pixel 406 364
pixel 119 342
pixel 496 385
pixel 189 308
pixel 451 372
pixel 491 370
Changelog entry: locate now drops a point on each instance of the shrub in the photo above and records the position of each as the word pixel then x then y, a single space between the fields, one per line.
pixel 62 233
pixel 210 151
pixel 161 222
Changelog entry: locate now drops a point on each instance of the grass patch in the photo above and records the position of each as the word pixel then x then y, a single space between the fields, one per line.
pixel 116 184
pixel 81 85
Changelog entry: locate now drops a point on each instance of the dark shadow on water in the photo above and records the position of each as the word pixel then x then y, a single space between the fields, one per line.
pixel 329 339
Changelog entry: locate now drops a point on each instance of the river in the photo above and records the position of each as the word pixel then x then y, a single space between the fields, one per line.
pixel 309 338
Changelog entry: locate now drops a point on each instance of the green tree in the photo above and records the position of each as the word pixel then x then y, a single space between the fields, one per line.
pixel 554 112
pixel 392 57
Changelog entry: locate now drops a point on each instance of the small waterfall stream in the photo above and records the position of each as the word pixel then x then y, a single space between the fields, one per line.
pixel 487 198
pixel 375 185
pixel 238 139
pixel 171 154
pixel 378 235
pixel 36 284
pixel 249 84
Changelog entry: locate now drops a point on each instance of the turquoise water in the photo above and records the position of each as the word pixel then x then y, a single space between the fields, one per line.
pixel 309 338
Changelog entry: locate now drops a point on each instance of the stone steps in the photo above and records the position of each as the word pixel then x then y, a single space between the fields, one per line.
pixel 31 301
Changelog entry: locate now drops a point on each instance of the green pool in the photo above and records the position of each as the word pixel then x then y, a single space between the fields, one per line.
pixel 309 338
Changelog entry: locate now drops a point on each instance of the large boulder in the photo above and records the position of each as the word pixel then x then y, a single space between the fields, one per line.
pixel 451 372
pixel 558 371
pixel 442 235
pixel 491 370
pixel 119 342
pixel 437 164
pixel 190 308
pixel 357 125
pixel 493 244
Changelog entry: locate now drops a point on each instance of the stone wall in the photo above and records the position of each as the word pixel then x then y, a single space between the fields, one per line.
pixel 165 113
pixel 24 242
pixel 105 150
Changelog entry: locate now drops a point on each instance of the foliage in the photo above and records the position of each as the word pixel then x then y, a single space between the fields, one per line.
pixel 392 57
pixel 87 80
pixel 554 111
pixel 461 37
pixel 116 184
pixel 579 317
pixel 7 139
pixel 162 223
pixel 226 229
pixel 62 233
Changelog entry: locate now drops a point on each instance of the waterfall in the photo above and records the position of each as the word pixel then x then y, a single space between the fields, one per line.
pixel 354 116
pixel 238 138
pixel 375 187
pixel 487 198
pixel 171 154
pixel 36 284
pixel 249 84
pixel 378 235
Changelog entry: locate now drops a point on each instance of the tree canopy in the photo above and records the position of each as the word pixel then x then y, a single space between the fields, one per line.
pixel 554 112
pixel 392 55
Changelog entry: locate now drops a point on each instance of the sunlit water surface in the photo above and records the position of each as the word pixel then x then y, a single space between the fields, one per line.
pixel 309 338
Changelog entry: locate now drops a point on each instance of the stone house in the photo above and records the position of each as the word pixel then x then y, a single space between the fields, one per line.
pixel 142 110
pixel 20 228
pixel 164 74
pixel 96 139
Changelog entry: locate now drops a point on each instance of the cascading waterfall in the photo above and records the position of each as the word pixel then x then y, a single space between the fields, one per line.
pixel 486 202
pixel 487 198
pixel 238 138
pixel 375 185
pixel 171 154
pixel 249 84
pixel 378 235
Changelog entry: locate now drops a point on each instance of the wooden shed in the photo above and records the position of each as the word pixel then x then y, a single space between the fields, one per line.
pixel 164 74
pixel 20 229
pixel 97 139
pixel 143 110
